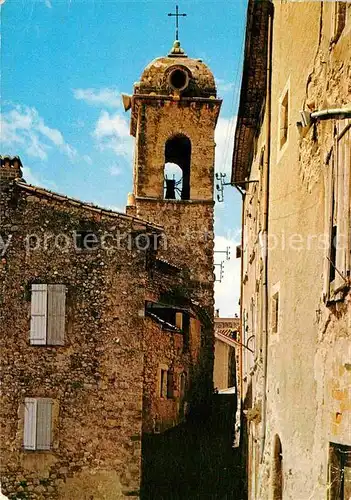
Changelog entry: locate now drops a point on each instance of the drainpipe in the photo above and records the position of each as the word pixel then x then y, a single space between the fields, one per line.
pixel 264 237
pixel 325 114
pixel 241 292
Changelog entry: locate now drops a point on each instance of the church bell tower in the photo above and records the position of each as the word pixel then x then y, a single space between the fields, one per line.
pixel 174 111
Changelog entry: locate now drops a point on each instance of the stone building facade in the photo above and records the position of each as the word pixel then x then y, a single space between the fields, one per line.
pixel 292 161
pixel 107 318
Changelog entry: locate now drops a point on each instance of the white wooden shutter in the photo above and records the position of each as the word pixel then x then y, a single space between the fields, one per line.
pixel 346 147
pixel 38 314
pixel 44 416
pixel 343 210
pixel 30 422
pixel 56 314
pixel 348 198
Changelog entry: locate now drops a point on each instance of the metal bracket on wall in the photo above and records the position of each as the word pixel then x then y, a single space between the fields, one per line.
pixel 220 186
pixel 220 177
pixel 221 271
pixel 226 252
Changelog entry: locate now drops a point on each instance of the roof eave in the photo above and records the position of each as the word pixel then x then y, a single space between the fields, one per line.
pixel 253 88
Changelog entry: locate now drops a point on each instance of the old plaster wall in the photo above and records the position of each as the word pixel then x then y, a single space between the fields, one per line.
pixel 95 379
pixel 308 372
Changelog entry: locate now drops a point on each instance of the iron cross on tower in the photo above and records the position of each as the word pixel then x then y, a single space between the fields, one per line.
pixel 177 16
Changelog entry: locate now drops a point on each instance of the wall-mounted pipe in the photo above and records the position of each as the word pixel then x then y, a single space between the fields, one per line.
pixel 325 114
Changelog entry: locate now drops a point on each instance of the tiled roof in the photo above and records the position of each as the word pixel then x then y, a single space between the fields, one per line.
pixel 88 206
pixel 253 87
pixel 227 328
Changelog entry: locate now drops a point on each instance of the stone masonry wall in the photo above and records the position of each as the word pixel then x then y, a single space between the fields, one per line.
pixel 166 349
pixel 95 379
pixel 189 244
pixel 158 122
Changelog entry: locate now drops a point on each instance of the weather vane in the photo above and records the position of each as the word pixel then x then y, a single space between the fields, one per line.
pixel 177 16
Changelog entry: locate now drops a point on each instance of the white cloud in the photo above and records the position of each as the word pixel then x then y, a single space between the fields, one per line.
pixel 223 86
pixel 23 127
pixel 87 159
pixel 115 171
pixel 224 137
pixel 106 97
pixel 115 208
pixel 112 132
pixel 30 177
pixel 227 293
pixel 48 4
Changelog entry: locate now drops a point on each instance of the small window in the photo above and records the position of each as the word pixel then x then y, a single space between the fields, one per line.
pixel 183 323
pixel 47 326
pixel 178 79
pixel 37 423
pixel 275 313
pixel 284 119
pixel 86 240
pixel 163 383
pixel 166 384
pixel 339 472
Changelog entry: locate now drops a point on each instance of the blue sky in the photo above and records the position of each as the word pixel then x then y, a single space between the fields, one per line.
pixel 64 65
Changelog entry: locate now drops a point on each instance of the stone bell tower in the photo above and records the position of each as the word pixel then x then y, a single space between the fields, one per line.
pixel 174 111
pixel 174 114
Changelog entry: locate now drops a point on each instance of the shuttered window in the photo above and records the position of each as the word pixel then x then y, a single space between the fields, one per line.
pixel 163 383
pixel 38 314
pixel 56 314
pixel 30 424
pixel 47 314
pixel 170 385
pixel 338 262
pixel 37 423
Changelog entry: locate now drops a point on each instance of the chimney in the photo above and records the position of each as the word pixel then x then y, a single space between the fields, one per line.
pixel 10 169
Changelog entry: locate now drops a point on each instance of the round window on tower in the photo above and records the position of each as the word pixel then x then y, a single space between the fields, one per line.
pixel 178 79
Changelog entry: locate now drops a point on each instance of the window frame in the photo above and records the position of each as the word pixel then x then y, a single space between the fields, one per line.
pixel 337 282
pixel 33 416
pixel 339 455
pixel 339 20
pixel 166 383
pixel 51 308
pixel 284 96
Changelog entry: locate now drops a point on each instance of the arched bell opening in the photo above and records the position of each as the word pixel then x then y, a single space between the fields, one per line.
pixel 177 168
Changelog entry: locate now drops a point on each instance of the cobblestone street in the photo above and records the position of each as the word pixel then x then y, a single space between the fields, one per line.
pixel 195 460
